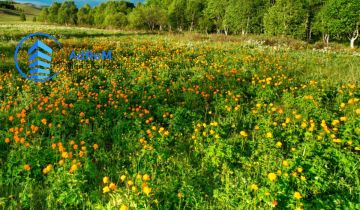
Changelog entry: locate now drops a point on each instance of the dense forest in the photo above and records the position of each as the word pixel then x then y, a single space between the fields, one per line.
pixel 310 20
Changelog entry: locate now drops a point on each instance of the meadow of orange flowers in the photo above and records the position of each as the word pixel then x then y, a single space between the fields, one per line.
pixel 180 122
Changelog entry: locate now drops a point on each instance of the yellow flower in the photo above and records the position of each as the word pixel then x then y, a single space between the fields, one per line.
pixel 64 155
pixel 73 168
pixel 106 189
pixel 147 190
pixel 161 129
pixel 278 144
pixel 269 135
pixel 254 187
pixel 303 178
pixel 285 163
pixel 300 170
pixel 357 111
pixel 61 162
pixel 138 176
pixel 130 183
pixel 106 180
pixel 180 195
pixel 243 133
pixel 122 178
pixel 123 207
pixel 146 177
pixel 297 195
pixel 134 188
pixel 272 176
pixel 343 119
pixel 337 140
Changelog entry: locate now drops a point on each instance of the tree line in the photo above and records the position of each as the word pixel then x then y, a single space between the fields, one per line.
pixel 302 19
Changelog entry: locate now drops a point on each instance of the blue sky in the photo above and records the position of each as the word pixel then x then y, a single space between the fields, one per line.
pixel 79 3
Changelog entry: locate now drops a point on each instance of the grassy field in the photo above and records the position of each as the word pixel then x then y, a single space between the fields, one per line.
pixel 8 15
pixel 181 121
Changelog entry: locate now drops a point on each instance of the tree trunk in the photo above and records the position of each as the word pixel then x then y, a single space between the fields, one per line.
pixel 247 25
pixel 352 43
pixel 326 38
pixel 192 22
pixel 354 37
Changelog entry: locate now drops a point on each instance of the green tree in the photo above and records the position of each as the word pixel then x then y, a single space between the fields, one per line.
pixel 313 8
pixel 150 16
pixel 215 12
pixel 44 14
pixel 135 18
pixel 286 17
pixel 22 17
pixel 53 12
pixel 339 19
pixel 117 20
pixel 245 16
pixel 85 16
pixel 67 13
pixel 176 14
pixel 112 13
pixel 193 12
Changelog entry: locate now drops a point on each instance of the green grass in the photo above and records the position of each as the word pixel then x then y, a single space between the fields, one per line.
pixel 13 16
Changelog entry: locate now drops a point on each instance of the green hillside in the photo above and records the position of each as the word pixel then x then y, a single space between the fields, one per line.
pixel 12 14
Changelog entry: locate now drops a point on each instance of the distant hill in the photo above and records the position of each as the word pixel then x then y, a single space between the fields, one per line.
pixel 11 12
pixel 92 3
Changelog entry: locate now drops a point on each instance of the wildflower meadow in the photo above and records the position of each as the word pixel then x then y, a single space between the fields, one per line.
pixel 180 121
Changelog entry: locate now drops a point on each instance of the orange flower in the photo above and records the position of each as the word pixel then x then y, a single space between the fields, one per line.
pixel 7 140
pixel 44 121
pixel 95 146
pixel 27 167
pixel 112 186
